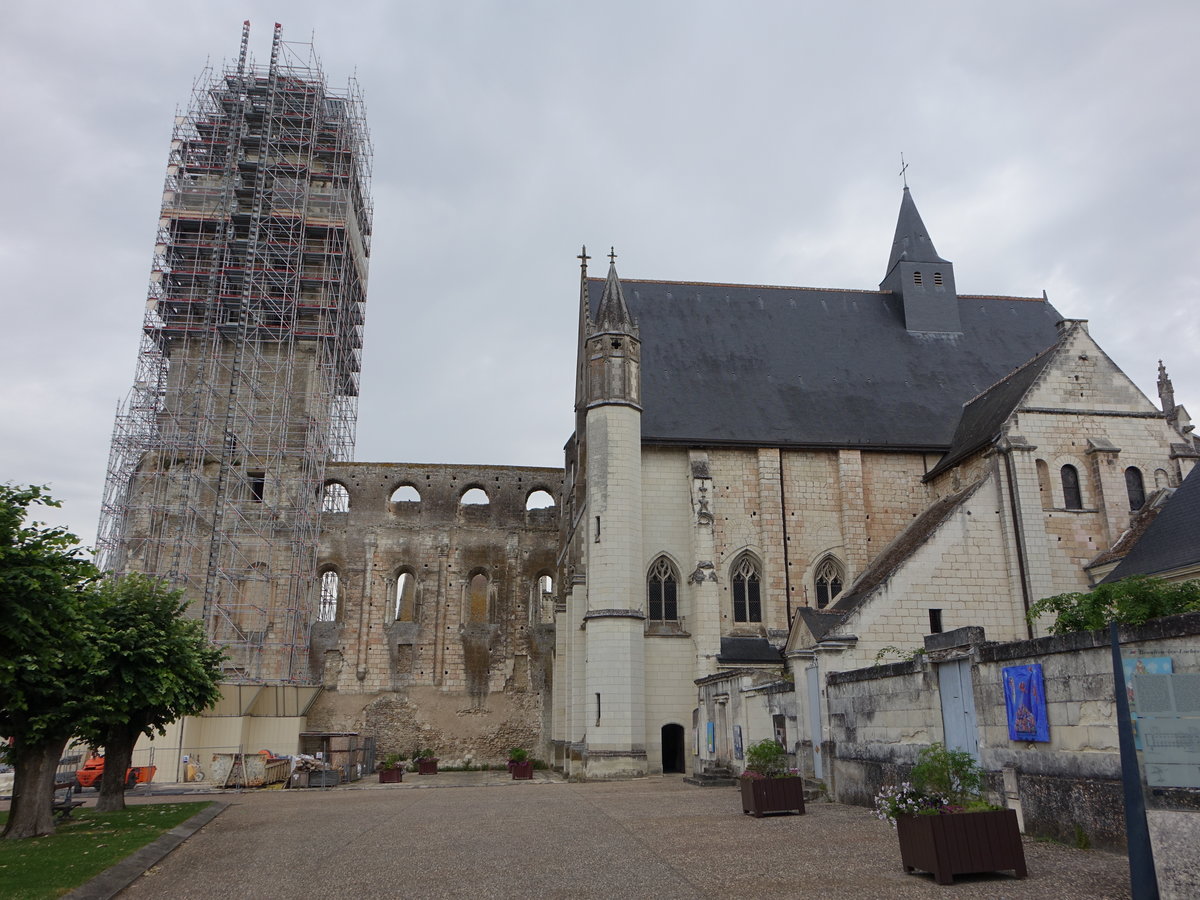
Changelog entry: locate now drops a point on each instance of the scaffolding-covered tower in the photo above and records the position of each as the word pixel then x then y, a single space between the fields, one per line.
pixel 247 376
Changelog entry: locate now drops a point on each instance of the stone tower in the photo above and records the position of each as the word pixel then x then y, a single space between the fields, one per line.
pixel 613 695
pixel 247 376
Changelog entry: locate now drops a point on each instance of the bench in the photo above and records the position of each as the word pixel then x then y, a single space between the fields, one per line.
pixel 66 804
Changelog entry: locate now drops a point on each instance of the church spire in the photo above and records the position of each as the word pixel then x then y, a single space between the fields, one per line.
pixel 921 280
pixel 912 241
pixel 613 314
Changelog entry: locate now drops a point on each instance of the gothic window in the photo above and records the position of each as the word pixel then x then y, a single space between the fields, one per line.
pixel 331 595
pixel 405 587
pixel 662 591
pixel 1072 499
pixel 1135 487
pixel 828 578
pixel 747 600
pixel 335 498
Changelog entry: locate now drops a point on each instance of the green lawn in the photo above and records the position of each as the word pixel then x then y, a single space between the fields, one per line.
pixel 83 847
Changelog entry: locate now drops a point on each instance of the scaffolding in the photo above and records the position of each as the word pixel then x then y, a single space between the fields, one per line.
pixel 247 374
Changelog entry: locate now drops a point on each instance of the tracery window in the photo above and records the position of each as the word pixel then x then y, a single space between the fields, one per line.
pixel 1072 498
pixel 828 578
pixel 662 590
pixel 747 599
pixel 1135 487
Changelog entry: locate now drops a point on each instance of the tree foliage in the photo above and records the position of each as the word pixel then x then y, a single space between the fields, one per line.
pixel 1130 601
pixel 155 666
pixel 45 650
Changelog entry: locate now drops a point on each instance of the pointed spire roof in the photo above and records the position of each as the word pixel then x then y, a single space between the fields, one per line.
pixel 912 242
pixel 613 314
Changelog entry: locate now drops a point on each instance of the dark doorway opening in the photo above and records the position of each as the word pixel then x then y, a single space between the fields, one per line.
pixel 672 748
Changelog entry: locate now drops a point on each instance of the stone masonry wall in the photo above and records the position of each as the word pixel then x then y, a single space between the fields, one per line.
pixel 462 667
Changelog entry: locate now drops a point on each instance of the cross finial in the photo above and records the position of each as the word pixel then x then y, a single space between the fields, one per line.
pixel 583 257
pixel 903 169
pixel 612 255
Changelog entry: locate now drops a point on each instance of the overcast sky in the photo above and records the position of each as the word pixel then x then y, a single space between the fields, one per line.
pixel 1052 145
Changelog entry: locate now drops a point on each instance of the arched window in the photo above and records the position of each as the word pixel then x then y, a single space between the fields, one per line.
pixel 539 500
pixel 828 579
pixel 477 598
pixel 1135 487
pixel 405 587
pixel 1043 475
pixel 335 499
pixel 662 592
pixel 1072 499
pixel 475 497
pixel 1160 478
pixel 747 599
pixel 331 591
pixel 546 584
pixel 406 493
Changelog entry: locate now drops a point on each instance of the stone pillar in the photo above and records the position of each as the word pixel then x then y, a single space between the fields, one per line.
pixel 854 512
pixel 1112 496
pixel 702 585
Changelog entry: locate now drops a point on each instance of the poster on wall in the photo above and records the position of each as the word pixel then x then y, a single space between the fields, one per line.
pixel 1025 699
pixel 1141 665
pixel 737 741
pixel 712 738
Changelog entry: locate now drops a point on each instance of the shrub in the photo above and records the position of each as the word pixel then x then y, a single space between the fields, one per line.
pixel 1130 601
pixel 766 759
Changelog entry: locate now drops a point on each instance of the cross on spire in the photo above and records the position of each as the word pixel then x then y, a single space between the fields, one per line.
pixel 583 257
pixel 903 169
pixel 612 255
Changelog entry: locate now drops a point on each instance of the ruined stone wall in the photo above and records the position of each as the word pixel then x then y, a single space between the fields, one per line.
pixel 458 655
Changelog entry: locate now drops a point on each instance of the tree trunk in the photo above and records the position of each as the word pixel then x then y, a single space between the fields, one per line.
pixel 118 752
pixel 31 813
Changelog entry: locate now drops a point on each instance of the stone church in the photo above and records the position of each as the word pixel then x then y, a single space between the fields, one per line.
pixel 829 473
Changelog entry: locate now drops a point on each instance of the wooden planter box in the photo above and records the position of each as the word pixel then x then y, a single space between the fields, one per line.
pixel 961 843
pixel 427 766
pixel 391 776
pixel 772 795
pixel 521 771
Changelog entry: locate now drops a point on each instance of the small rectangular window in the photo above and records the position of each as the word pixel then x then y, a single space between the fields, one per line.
pixel 935 621
pixel 256 482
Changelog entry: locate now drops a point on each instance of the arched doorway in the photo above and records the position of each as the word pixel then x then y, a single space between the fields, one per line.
pixel 672 749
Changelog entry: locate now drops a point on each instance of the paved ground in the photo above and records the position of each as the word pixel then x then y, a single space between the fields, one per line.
pixel 484 836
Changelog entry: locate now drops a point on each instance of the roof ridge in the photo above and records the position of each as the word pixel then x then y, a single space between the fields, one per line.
pixel 797 287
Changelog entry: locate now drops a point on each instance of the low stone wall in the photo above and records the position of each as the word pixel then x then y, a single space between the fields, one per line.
pixel 1068 788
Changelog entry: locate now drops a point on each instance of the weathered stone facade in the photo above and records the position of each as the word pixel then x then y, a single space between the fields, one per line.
pixel 443 630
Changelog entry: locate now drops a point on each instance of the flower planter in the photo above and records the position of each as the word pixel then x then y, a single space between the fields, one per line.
pixel 521 771
pixel 772 795
pixel 427 766
pixel 961 843
pixel 391 776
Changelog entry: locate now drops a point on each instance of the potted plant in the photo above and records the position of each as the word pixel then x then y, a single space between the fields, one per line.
pixel 945 825
pixel 519 764
pixel 425 762
pixel 391 770
pixel 768 785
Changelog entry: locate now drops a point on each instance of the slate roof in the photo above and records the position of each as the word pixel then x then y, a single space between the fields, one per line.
pixel 748 650
pixel 790 366
pixel 1173 539
pixel 984 416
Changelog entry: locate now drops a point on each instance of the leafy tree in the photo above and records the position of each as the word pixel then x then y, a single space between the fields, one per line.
pixel 154 667
pixel 45 651
pixel 1130 601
